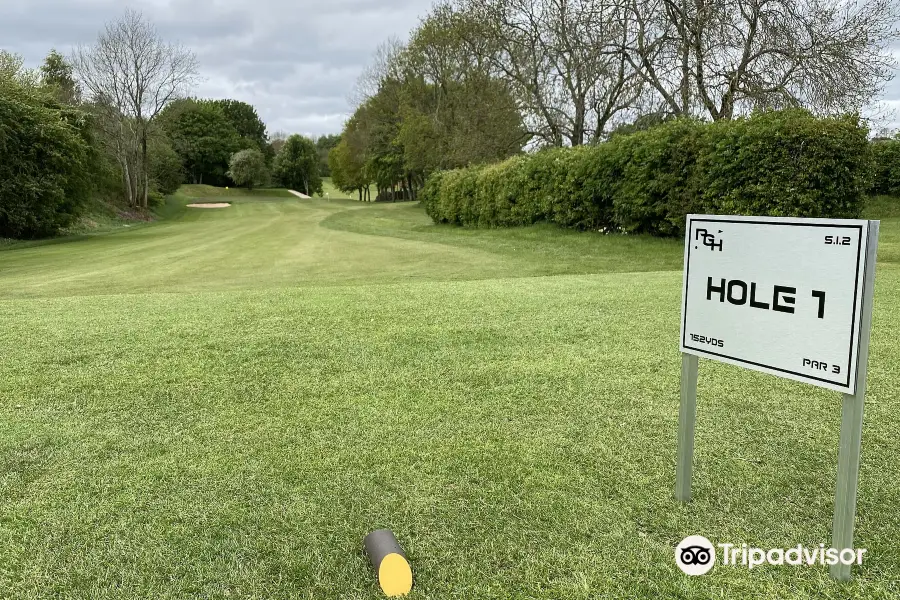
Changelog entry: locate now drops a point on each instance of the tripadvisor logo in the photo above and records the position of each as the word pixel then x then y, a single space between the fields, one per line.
pixel 696 555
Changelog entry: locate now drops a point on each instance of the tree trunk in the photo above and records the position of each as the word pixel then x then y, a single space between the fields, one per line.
pixel 578 125
pixel 126 175
pixel 144 166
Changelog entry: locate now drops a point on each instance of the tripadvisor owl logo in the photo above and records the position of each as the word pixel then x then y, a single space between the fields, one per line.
pixel 695 555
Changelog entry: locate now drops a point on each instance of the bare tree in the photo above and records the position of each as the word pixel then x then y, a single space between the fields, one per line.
pixel 277 140
pixel 130 75
pixel 564 59
pixel 385 64
pixel 719 58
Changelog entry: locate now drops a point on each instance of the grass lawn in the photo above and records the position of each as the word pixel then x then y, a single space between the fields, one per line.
pixel 222 404
pixel 336 194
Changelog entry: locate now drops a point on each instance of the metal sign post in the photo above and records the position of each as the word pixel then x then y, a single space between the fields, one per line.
pixel 687 416
pixel 814 327
pixel 852 422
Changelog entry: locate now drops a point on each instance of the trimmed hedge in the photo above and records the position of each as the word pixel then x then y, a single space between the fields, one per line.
pixel 780 163
pixel 886 167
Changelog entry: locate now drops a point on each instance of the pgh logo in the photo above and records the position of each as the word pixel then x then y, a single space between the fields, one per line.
pixel 695 555
pixel 709 240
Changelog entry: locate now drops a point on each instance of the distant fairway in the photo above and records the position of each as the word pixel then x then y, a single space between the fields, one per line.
pixel 221 405
pixel 334 193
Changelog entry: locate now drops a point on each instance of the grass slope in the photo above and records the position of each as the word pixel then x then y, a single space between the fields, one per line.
pixel 223 404
pixel 333 193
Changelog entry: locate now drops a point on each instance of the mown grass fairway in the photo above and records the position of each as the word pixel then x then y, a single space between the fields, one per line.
pixel 222 405
pixel 335 194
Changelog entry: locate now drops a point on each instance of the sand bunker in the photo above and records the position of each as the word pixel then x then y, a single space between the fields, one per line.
pixel 210 205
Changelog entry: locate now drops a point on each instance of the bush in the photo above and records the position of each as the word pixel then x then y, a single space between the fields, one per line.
pixel 497 188
pixel 155 198
pixel 657 183
pixel 248 168
pixel 785 164
pixel 45 171
pixel 781 163
pixel 431 194
pixel 886 167
pixel 166 168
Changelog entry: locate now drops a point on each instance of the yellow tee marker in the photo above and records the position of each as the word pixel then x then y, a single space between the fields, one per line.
pixel 389 560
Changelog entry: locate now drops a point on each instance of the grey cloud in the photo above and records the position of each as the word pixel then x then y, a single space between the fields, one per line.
pixel 296 61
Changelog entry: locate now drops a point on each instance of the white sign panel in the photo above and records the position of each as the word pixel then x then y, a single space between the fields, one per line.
pixel 781 296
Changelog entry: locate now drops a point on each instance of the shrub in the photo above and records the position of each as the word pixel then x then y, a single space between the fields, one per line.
pixel 657 186
pixel 886 167
pixel 498 185
pixel 45 172
pixel 588 176
pixel 155 198
pixel 430 196
pixel 457 196
pixel 247 167
pixel 785 164
pixel 540 185
pixel 780 163
pixel 166 168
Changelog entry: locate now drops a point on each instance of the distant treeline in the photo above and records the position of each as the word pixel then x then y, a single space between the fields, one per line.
pixel 479 81
pixel 115 122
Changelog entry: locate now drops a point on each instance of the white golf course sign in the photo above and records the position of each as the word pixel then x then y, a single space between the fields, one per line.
pixel 789 297
pixel 780 296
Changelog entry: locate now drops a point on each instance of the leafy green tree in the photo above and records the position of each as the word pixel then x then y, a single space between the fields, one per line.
pixel 247 167
pixel 57 75
pixel 203 137
pixel 245 121
pixel 45 173
pixel 338 166
pixel 12 69
pixel 347 172
pixel 324 145
pixel 165 165
pixel 430 106
pixel 297 165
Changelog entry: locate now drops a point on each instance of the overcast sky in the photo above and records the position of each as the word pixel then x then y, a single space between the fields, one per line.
pixel 296 61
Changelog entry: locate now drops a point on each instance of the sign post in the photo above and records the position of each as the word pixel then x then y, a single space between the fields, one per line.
pixel 687 416
pixel 789 297
pixel 851 423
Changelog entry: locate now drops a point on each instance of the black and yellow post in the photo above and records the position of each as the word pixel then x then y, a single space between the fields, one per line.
pixel 389 561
